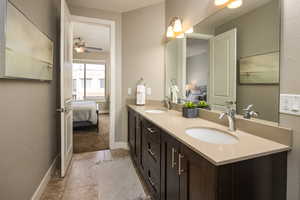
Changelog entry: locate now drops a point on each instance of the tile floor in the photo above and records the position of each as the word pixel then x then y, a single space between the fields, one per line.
pixel 101 175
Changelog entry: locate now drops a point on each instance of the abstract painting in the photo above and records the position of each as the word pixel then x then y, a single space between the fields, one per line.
pixel 28 51
pixel 260 69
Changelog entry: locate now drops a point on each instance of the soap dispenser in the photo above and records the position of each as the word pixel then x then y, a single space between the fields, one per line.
pixel 141 93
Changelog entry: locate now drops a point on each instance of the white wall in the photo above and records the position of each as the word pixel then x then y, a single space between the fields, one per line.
pixel 143 51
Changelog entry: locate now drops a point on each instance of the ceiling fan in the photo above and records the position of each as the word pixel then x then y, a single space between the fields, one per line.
pixel 80 46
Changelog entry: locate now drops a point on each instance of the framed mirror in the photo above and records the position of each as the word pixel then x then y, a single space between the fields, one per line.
pixel 233 57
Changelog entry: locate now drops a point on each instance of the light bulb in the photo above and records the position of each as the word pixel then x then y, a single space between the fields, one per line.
pixel 170 32
pixel 235 4
pixel 190 30
pixel 177 26
pixel 221 2
pixel 181 35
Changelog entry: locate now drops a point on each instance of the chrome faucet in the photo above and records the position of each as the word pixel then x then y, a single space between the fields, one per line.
pixel 168 103
pixel 249 112
pixel 230 113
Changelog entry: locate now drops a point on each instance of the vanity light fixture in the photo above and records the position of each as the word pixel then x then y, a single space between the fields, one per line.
pixel 170 32
pixel 177 27
pixel 229 3
pixel 235 4
pixel 174 28
pixel 221 2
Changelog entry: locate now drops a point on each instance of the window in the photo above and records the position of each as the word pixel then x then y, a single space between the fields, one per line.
pixel 101 83
pixel 74 84
pixel 91 78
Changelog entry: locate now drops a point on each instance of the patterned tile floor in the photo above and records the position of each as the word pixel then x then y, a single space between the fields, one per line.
pixel 101 175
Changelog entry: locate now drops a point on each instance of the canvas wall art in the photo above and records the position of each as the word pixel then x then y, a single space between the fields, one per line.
pixel 28 51
pixel 260 69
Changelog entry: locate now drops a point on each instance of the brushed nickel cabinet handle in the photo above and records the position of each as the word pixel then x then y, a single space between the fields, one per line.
pixel 152 183
pixel 180 171
pixel 151 153
pixel 151 130
pixel 173 164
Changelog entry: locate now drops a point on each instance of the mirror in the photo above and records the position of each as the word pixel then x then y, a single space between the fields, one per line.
pixel 233 57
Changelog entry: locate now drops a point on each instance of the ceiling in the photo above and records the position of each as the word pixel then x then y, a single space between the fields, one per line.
pixel 94 35
pixel 114 5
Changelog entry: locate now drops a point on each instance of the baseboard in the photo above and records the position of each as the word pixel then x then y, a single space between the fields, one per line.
pixel 120 145
pixel 41 188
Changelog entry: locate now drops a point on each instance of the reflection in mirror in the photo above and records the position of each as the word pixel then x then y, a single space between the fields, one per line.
pixel 233 56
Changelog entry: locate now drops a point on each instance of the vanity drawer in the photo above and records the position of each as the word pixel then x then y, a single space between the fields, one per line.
pixel 153 182
pixel 152 154
pixel 151 131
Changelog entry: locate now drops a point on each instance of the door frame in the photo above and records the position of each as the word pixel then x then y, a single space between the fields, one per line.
pixel 112 82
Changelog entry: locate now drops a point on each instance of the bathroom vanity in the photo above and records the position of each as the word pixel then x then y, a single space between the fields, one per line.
pixel 176 166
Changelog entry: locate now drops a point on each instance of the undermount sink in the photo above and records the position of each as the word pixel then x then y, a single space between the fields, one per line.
pixel 155 111
pixel 212 136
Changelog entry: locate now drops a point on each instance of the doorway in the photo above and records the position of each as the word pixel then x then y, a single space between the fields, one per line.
pixel 91 83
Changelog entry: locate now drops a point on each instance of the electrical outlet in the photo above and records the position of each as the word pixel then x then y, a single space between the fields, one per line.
pixel 149 91
pixel 129 91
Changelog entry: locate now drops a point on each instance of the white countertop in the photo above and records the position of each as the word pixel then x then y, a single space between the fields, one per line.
pixel 248 147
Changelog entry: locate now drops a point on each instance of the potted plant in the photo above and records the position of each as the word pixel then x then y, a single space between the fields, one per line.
pixel 190 110
pixel 203 105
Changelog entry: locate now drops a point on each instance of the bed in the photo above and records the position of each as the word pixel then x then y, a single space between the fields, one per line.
pixel 85 113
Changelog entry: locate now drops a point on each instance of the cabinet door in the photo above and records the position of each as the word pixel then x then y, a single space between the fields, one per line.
pixel 170 186
pixel 198 177
pixel 138 140
pixel 131 131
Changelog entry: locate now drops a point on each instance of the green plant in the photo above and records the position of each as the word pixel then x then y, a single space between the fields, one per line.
pixel 190 104
pixel 202 104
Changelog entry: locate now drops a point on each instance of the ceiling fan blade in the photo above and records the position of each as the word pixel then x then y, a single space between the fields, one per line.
pixel 94 49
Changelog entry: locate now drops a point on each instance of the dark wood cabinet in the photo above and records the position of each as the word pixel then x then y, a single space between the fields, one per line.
pixel 170 185
pixel 131 131
pixel 173 171
pixel 151 157
pixel 134 135
pixel 198 177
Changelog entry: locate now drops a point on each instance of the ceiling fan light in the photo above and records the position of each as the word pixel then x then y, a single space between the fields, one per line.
pixel 177 26
pixel 221 2
pixel 170 32
pixel 235 4
pixel 79 49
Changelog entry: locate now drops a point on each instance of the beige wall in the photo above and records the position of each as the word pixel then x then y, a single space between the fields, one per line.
pixel 192 12
pixel 143 52
pixel 290 83
pixel 28 128
pixel 117 18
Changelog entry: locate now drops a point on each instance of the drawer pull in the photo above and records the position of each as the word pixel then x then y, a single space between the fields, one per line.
pixel 151 153
pixel 152 183
pixel 173 164
pixel 180 171
pixel 151 130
